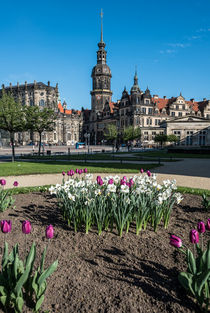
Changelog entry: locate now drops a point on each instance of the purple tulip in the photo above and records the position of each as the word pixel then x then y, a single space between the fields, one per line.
pixel 15 184
pixel 148 173
pixel 85 170
pixel 194 236
pixel 175 241
pixel 201 227
pixel 2 182
pixel 208 224
pixel 98 178
pixel 141 171
pixel 124 178
pixel 131 182
pixel 110 181
pixel 100 182
pixel 6 226
pixel 49 232
pixel 26 227
pixel 122 182
pixel 80 172
pixel 72 173
pixel 63 173
pixel 69 173
pixel 77 171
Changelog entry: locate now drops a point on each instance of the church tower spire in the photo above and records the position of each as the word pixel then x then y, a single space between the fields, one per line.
pixel 101 77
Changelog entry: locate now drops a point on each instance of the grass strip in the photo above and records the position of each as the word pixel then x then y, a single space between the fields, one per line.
pixel 193 191
pixel 27 168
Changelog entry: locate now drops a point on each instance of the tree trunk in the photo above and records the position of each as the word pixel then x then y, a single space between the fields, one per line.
pixel 12 146
pixel 40 141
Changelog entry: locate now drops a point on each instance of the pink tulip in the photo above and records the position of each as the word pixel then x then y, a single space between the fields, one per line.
pixel 148 173
pixel 85 170
pixel 2 182
pixel 6 226
pixel 141 171
pixel 194 236
pixel 208 224
pixel 131 182
pixel 201 227
pixel 69 173
pixel 80 172
pixel 100 182
pixel 175 241
pixel 124 178
pixel 49 232
pixel 15 184
pixel 26 227
pixel 63 173
pixel 122 182
pixel 110 181
pixel 77 170
pixel 98 178
pixel 72 173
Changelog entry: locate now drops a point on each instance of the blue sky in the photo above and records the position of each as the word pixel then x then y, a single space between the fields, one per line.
pixel 168 41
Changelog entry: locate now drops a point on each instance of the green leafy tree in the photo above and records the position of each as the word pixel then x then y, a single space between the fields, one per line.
pixel 130 133
pixel 172 138
pixel 12 118
pixel 111 134
pixel 40 120
pixel 161 138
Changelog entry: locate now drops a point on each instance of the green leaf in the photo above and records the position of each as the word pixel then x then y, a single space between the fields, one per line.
pixel 2 290
pixel 43 259
pixel 5 256
pixel 39 303
pixel 202 280
pixel 3 300
pixel 191 262
pixel 185 280
pixel 19 303
pixel 31 256
pixel 47 273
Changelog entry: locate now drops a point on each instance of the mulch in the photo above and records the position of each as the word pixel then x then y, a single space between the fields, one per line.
pixel 108 274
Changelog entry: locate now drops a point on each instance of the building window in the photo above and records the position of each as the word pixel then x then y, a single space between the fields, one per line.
pixel 144 110
pixel 177 107
pixel 41 103
pixel 147 121
pixel 172 113
pixel 150 111
pixel 54 136
pixel 31 103
pixel 147 101
pixel 68 136
pixel 180 113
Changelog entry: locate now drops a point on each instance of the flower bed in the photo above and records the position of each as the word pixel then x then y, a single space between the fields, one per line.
pixel 109 202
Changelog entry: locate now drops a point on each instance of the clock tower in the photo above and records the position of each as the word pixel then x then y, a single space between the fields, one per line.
pixel 101 78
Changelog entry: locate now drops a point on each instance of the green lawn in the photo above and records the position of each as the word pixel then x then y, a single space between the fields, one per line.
pixel 24 168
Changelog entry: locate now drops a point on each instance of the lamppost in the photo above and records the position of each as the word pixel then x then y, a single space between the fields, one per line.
pixel 64 115
pixel 87 139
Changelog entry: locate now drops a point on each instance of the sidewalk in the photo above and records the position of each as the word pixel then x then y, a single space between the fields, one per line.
pixel 52 179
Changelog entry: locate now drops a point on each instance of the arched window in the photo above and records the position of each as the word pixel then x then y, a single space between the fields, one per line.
pixel 41 103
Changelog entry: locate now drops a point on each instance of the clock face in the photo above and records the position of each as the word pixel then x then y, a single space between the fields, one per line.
pixel 98 70
pixel 98 97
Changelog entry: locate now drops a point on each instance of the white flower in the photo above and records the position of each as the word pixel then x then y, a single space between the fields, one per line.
pixel 71 197
pixel 179 197
pixel 111 188
pixel 52 190
pixel 124 189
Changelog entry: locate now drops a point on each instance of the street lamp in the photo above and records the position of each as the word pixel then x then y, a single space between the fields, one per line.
pixel 64 115
pixel 87 138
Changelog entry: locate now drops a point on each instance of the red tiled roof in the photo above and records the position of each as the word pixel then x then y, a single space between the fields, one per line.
pixel 193 104
pixel 67 112
pixel 160 102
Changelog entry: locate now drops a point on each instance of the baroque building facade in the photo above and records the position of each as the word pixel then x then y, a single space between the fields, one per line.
pixel 68 123
pixel 138 108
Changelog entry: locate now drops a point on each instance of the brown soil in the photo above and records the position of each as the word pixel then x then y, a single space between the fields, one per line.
pixel 107 273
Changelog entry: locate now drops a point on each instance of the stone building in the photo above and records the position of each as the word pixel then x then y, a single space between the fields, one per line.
pixel 68 124
pixel 139 108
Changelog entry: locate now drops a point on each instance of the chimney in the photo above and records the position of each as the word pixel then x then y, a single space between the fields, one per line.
pixel 2 86
pixel 164 97
pixel 10 84
pixel 48 83
pixel 18 84
pixel 192 100
pixel 204 99
pixel 155 96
